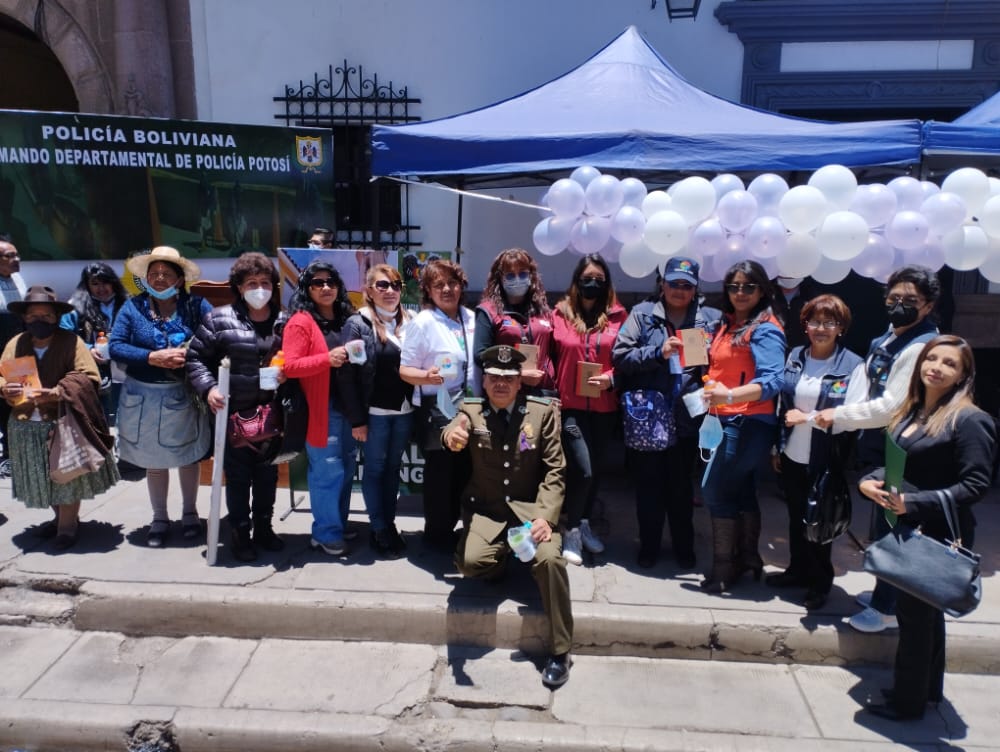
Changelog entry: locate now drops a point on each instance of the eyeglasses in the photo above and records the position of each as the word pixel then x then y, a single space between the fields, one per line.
pixel 512 277
pixel 383 285
pixel 598 280
pixel 908 300
pixel 746 288
pixel 9 256
pixel 319 283
pixel 679 284
pixel 829 325
pixel 168 276
pixel 444 285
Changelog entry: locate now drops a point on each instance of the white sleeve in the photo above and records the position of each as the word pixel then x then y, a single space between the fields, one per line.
pixel 413 352
pixel 876 413
pixel 857 391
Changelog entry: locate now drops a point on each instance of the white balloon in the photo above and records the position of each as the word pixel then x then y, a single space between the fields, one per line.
pixel 584 175
pixel 837 184
pixel 799 257
pixel 551 236
pixel 843 235
pixel 945 211
pixel 666 232
pixel 590 234
pixel 989 217
pixel 770 265
pixel 930 255
pixel 566 198
pixel 965 248
pixel 694 199
pixel 994 186
pixel 633 192
pixel 766 237
pixel 708 272
pixel 972 186
pixel 543 205
pixel 628 225
pixel 802 208
pixel 655 202
pixel 707 239
pixel 830 271
pixel 990 268
pixel 929 188
pixel 768 190
pixel 907 230
pixel 876 260
pixel 604 196
pixel 734 251
pixel 737 210
pixel 725 183
pixel 612 251
pixel 637 260
pixel 909 194
pixel 875 202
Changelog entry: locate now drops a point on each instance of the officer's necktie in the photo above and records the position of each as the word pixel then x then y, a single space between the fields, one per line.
pixel 505 417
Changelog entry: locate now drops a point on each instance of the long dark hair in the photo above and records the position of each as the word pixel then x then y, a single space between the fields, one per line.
pixel 301 301
pixel 572 307
pixel 494 293
pixel 91 318
pixel 756 274
pixel 959 398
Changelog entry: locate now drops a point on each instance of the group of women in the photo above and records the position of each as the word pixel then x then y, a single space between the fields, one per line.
pixel 376 376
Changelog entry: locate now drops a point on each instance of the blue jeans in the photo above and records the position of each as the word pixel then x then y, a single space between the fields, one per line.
pixel 330 475
pixel 388 436
pixel 730 487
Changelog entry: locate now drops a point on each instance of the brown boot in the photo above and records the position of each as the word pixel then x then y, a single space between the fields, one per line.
pixel 749 539
pixel 724 569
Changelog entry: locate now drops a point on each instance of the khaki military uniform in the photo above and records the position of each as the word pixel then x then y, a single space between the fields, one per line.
pixel 518 475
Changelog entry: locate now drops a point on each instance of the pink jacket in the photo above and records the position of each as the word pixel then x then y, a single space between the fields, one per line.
pixel 569 347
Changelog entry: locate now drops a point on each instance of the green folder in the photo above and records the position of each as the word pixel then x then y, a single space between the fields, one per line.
pixel 895 464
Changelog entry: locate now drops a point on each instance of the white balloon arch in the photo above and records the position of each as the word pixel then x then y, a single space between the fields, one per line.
pixel 823 229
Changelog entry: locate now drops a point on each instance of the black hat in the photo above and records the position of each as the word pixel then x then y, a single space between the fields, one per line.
pixel 502 360
pixel 39 294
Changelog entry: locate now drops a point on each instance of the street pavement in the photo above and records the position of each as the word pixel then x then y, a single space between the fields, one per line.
pixel 115 646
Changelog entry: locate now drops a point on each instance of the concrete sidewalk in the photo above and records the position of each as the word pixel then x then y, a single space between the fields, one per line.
pixel 404 652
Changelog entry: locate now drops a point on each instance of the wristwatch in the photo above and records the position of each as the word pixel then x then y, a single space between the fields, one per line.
pixel 729 397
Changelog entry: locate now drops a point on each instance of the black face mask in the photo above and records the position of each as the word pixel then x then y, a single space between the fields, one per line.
pixel 591 289
pixel 41 329
pixel 901 315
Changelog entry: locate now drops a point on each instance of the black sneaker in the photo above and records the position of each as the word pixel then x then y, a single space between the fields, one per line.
pixel 383 544
pixel 243 549
pixel 265 537
pixel 398 542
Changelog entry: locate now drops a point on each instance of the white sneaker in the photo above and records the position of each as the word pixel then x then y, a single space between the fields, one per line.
pixel 571 546
pixel 872 621
pixel 864 599
pixel 590 541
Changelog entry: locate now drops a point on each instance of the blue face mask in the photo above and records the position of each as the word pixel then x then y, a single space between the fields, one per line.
pixel 516 288
pixel 165 295
pixel 709 438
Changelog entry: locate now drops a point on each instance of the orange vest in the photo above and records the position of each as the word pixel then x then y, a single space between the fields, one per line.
pixel 733 365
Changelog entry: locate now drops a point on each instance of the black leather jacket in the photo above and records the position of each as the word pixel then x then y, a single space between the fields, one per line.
pixel 228 332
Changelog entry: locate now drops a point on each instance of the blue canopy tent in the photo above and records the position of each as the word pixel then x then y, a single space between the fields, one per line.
pixel 972 140
pixel 627 109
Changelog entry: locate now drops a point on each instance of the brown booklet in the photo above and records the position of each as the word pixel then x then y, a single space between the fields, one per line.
pixel 584 371
pixel 24 371
pixel 530 353
pixel 695 353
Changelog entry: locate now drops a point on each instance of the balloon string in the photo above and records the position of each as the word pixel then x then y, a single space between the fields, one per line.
pixel 471 194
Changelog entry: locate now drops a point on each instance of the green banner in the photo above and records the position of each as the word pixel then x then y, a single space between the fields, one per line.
pixel 102 187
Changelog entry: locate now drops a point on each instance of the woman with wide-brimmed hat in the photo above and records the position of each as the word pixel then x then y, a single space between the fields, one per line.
pixel 69 379
pixel 160 423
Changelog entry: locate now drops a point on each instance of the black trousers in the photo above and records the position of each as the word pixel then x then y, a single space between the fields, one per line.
pixel 918 675
pixel 663 492
pixel 810 561
pixel 245 471
pixel 445 477
pixel 585 437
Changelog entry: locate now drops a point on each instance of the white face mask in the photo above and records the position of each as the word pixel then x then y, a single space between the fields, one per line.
pixel 383 313
pixel 257 298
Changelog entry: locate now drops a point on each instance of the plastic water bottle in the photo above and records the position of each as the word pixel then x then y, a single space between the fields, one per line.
pixel 521 543
pixel 101 345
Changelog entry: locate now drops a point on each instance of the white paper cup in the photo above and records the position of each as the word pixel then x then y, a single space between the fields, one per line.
pixel 269 377
pixel 447 365
pixel 695 403
pixel 356 351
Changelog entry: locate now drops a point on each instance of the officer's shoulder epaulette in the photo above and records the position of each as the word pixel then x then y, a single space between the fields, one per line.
pixel 542 400
pixel 472 401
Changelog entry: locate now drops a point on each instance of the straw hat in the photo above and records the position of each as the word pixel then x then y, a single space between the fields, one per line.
pixel 39 294
pixel 139 265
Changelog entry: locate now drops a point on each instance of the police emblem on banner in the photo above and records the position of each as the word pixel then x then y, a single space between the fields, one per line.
pixel 309 152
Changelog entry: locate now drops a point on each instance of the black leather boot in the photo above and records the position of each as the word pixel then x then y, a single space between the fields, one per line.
pixel 243 549
pixel 723 556
pixel 749 542
pixel 264 535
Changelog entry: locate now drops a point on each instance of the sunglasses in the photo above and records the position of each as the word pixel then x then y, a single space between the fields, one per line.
pixel 747 288
pixel 319 284
pixel 383 285
pixel 679 284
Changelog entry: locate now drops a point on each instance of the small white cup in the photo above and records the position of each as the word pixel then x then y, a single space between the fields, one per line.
pixel 447 365
pixel 695 403
pixel 356 351
pixel 269 377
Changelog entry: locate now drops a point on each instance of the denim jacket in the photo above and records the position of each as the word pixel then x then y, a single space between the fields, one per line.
pixel 833 392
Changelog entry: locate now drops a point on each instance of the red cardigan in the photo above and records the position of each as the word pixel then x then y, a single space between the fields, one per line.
pixel 308 360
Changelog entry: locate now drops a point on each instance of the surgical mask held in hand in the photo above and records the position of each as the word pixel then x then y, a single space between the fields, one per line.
pixel 709 435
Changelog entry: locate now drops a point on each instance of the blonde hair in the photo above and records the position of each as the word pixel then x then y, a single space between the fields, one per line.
pixel 401 313
pixel 946 411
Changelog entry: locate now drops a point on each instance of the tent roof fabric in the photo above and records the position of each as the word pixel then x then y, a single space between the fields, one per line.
pixel 977 132
pixel 626 108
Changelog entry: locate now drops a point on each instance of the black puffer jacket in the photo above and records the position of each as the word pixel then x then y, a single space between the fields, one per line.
pixel 228 332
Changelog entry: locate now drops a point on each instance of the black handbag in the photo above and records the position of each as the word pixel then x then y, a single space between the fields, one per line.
pixel 648 420
pixel 828 506
pixel 944 575
pixel 291 402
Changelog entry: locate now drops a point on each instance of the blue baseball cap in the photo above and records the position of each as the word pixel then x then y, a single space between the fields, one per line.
pixel 680 268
